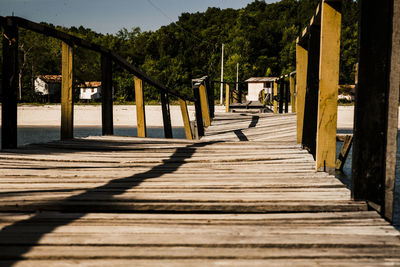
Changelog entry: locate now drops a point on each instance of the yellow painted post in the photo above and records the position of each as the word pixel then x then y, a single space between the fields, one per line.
pixel 185 118
pixel 140 111
pixel 275 94
pixel 301 84
pixel 227 97
pixel 67 105
pixel 204 105
pixel 292 93
pixel 328 86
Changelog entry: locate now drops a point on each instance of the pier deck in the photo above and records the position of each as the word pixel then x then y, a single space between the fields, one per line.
pixel 245 194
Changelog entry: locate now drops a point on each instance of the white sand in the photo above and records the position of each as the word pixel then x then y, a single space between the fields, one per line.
pixel 124 115
pixel 90 115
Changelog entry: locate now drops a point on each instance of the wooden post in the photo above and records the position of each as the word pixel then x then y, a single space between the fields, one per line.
pixel 186 120
pixel 199 114
pixel 67 103
pixel 376 104
pixel 140 108
pixel 301 84
pixel 106 96
pixel 166 115
pixel 227 97
pixel 328 86
pixel 210 94
pixel 204 105
pixel 281 94
pixel 292 93
pixel 275 95
pixel 311 100
pixel 287 95
pixel 9 85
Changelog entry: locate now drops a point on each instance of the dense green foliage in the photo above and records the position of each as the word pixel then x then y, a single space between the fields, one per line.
pixel 260 37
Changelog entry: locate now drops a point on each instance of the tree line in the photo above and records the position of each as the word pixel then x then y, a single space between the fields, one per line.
pixel 260 37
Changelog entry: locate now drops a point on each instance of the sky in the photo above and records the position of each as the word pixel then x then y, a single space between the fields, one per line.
pixel 109 16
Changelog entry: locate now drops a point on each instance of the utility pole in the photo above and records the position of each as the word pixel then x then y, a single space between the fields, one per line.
pixel 221 99
pixel 237 77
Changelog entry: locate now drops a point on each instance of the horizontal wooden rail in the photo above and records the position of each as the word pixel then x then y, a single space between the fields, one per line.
pixel 74 40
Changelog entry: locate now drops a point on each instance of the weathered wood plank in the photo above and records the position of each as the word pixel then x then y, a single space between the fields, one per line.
pixel 177 202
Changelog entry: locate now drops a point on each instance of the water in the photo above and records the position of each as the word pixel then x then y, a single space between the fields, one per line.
pixel 345 177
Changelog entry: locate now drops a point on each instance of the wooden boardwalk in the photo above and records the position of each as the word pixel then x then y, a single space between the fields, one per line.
pixel 123 201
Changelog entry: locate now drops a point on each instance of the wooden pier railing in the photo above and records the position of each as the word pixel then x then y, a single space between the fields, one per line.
pixel 376 99
pixel 10 27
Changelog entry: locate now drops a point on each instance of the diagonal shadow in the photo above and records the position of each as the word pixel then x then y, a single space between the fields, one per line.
pixel 241 135
pixel 254 121
pixel 12 235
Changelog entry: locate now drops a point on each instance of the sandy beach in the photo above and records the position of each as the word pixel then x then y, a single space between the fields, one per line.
pixel 125 115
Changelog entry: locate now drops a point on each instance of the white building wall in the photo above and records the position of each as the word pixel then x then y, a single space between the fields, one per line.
pixel 90 93
pixel 253 91
pixel 41 87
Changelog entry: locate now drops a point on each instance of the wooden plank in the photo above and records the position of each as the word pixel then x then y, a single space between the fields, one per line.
pixel 344 152
pixel 166 115
pixel 205 110
pixel 293 92
pixel 311 98
pixel 140 108
pixel 67 108
pixel 328 83
pixel 374 129
pixel 9 85
pixel 137 201
pixel 106 95
pixel 227 97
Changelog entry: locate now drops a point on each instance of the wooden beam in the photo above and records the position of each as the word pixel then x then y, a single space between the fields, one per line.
pixel 281 94
pixel 275 102
pixel 166 115
pixel 376 104
pixel 344 152
pixel 287 95
pixel 328 86
pixel 186 120
pixel 9 86
pixel 301 84
pixel 311 98
pixel 199 114
pixel 73 40
pixel 227 97
pixel 140 108
pixel 67 103
pixel 210 94
pixel 393 103
pixel 204 105
pixel 292 93
pixel 106 96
